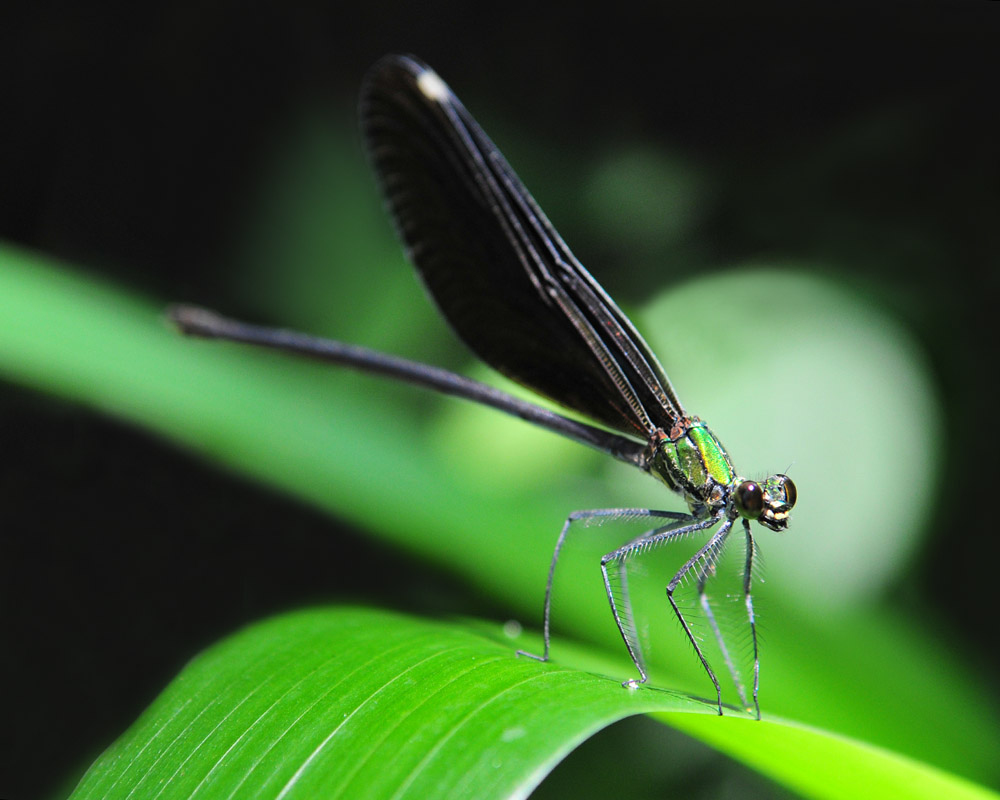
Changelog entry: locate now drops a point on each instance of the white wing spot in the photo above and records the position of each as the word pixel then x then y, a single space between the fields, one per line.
pixel 433 88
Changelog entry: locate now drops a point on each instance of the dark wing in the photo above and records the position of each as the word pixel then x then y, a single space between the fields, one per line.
pixel 497 269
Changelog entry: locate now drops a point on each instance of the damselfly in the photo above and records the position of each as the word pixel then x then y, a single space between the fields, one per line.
pixel 515 294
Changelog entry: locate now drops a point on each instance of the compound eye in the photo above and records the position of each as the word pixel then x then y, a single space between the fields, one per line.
pixel 750 499
pixel 790 494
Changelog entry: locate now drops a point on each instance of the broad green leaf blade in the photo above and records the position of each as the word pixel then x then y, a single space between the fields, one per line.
pixel 361 703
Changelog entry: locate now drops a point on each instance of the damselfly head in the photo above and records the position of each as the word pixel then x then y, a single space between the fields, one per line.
pixel 769 502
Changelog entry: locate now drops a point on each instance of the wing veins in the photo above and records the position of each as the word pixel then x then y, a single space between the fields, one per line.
pixel 572 280
pixel 514 207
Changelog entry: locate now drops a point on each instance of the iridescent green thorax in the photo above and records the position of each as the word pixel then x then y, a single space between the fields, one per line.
pixel 693 462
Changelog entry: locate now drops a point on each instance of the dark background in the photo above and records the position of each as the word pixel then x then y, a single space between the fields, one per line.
pixel 131 135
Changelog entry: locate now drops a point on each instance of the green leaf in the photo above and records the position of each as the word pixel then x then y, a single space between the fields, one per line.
pixel 362 703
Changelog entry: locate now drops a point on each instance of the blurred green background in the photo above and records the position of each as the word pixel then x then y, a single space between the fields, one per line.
pixel 798 207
